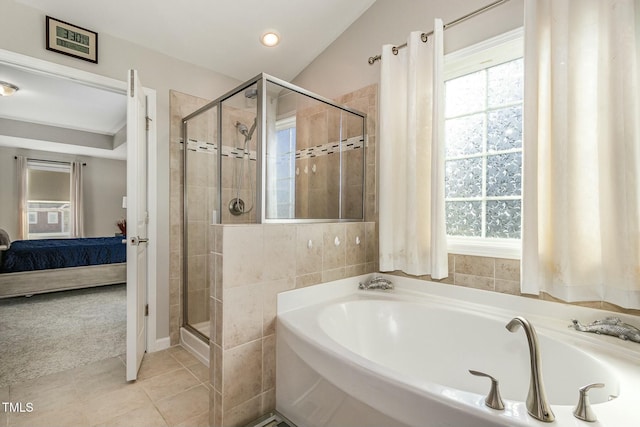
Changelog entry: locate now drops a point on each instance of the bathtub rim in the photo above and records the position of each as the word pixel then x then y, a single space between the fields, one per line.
pixel 603 346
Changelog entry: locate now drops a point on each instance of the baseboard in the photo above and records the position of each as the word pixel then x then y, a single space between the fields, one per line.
pixel 162 344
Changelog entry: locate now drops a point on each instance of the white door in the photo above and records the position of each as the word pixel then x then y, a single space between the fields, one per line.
pixel 137 220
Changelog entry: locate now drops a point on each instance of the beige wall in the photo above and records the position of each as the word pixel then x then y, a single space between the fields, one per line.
pixel 157 71
pixel 104 185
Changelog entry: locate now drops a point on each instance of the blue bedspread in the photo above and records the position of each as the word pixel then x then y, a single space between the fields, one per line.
pixel 28 255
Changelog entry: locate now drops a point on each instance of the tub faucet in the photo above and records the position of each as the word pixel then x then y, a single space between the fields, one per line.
pixel 376 283
pixel 537 403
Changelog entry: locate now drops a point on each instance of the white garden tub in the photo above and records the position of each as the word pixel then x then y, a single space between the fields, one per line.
pixel 368 358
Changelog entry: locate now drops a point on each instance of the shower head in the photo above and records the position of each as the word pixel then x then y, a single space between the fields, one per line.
pixel 251 93
pixel 242 128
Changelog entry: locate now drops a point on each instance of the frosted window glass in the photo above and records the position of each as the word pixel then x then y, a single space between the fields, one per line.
pixel 505 83
pixel 464 218
pixel 504 129
pixel 465 94
pixel 503 219
pixel 463 178
pixel 464 135
pixel 504 175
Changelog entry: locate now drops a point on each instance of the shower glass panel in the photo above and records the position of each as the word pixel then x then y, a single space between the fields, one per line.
pixel 267 151
pixel 314 158
pixel 200 209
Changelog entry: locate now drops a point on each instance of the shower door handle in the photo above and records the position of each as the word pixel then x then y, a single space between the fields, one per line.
pixel 135 241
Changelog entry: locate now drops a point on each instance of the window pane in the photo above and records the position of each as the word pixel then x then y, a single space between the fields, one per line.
pixel 463 178
pixel 465 94
pixel 504 174
pixel 504 129
pixel 505 83
pixel 464 135
pixel 503 219
pixel 464 218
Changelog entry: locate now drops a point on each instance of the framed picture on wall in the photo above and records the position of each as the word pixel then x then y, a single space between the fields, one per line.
pixel 71 40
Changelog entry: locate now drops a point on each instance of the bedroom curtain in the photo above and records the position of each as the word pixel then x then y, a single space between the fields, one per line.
pixel 77 220
pixel 581 195
pixel 23 220
pixel 411 212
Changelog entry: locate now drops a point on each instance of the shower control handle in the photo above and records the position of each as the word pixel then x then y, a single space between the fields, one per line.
pixel 493 399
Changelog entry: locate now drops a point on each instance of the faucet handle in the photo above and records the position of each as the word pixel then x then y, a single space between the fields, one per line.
pixel 493 399
pixel 583 411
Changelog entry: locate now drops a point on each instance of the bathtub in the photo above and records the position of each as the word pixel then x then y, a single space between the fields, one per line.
pixel 347 357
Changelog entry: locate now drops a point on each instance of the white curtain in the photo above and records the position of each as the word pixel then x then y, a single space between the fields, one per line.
pixel 411 147
pixel 77 217
pixel 581 196
pixel 23 220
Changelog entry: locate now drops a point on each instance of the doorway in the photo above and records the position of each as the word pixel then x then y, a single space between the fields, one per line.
pixel 71 76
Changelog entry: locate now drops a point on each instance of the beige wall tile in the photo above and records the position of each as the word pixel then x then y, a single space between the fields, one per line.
pixel 355 250
pixel 474 265
pixel 355 270
pixel 477 282
pixel 268 362
pixel 279 251
pixel 335 274
pixel 243 261
pixel 242 315
pixel 508 286
pixel 508 269
pixel 268 401
pixel 242 373
pixel 269 308
pixel 242 414
pixel 371 241
pixel 309 259
pixel 334 237
pixel 308 280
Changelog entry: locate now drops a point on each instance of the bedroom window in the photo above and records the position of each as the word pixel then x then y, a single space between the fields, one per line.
pixel 483 147
pixel 48 199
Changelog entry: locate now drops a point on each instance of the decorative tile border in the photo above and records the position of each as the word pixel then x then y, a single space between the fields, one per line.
pixel 352 143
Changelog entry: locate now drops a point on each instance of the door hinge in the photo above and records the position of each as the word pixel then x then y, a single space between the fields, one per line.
pixel 132 83
pixel 146 309
pixel 149 119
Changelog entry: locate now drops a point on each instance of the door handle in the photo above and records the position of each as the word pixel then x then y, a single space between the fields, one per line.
pixel 135 241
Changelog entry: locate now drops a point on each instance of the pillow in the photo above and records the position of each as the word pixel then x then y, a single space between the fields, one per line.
pixel 4 239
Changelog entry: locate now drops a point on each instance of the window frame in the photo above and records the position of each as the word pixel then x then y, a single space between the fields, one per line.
pixel 489 53
pixel 52 166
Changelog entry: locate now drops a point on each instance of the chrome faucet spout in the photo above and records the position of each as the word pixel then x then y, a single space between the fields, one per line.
pixel 537 403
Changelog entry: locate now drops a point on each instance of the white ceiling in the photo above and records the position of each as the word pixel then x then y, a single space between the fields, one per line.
pixel 219 35
pixel 222 36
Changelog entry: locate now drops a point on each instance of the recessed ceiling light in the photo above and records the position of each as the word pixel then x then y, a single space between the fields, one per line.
pixel 7 89
pixel 270 39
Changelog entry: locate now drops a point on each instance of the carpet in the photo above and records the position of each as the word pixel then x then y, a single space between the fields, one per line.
pixel 53 332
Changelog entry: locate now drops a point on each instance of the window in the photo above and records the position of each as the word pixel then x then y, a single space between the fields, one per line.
pixel 48 199
pixel 283 167
pixel 483 147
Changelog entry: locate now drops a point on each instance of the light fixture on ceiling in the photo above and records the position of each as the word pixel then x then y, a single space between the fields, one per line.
pixel 270 38
pixel 7 89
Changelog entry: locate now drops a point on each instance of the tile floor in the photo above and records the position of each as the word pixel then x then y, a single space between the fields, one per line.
pixel 171 390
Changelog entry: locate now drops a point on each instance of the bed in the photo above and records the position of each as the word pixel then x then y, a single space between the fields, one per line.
pixel 30 267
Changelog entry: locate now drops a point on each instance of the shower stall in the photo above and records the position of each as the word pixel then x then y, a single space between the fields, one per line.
pixel 265 152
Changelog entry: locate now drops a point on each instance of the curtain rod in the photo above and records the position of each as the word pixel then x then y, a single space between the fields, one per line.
pixel 424 36
pixel 49 161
